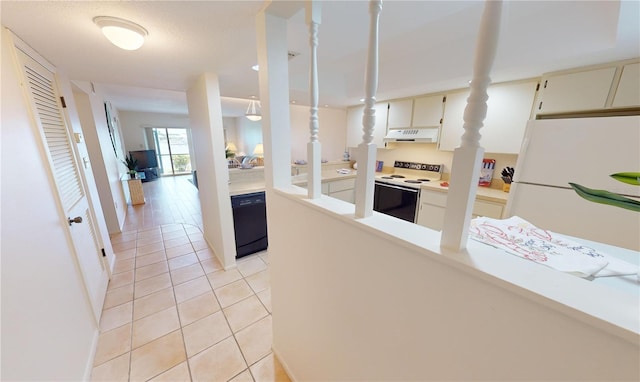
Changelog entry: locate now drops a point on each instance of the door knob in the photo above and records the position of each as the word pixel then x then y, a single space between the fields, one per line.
pixel 77 219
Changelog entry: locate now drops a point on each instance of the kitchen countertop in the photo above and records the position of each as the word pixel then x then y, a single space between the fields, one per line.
pixel 239 187
pixel 246 187
pixel 483 193
pixel 327 176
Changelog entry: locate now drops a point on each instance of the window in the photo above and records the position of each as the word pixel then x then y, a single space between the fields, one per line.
pixel 172 145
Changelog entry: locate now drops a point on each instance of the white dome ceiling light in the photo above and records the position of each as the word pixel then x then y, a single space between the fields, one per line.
pixel 122 33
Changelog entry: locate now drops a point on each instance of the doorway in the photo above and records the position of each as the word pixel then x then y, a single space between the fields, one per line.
pixel 172 145
pixel 61 156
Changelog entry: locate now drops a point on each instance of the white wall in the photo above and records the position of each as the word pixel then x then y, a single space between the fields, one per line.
pixel 366 307
pixel 249 134
pixel 105 166
pixel 246 134
pixel 136 129
pixel 230 130
pixel 48 331
pixel 332 132
pixel 133 125
pixel 429 153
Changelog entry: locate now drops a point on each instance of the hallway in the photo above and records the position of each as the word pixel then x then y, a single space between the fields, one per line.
pixel 171 312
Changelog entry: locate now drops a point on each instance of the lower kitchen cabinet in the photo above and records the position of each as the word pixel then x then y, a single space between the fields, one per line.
pixel 434 203
pixel 343 189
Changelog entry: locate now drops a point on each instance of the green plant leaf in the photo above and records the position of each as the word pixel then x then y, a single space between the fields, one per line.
pixel 606 197
pixel 627 177
pixel 130 162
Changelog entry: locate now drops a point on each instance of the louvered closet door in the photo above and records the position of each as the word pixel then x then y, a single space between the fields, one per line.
pixel 40 86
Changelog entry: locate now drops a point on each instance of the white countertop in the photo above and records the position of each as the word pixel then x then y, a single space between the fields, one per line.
pixel 238 187
pixel 327 176
pixel 485 193
pixel 246 187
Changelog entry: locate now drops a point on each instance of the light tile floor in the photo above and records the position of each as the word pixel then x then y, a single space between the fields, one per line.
pixel 171 312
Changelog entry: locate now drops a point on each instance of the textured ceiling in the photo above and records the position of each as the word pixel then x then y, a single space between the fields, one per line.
pixel 425 46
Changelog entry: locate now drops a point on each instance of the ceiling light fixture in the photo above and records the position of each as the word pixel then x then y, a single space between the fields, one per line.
pixel 253 111
pixel 122 33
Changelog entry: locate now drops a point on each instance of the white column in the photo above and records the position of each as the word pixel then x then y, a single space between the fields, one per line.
pixel 313 147
pixel 367 149
pixel 274 97
pixel 465 170
pixel 203 98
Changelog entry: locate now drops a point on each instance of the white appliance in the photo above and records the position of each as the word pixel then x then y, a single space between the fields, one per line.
pixel 424 135
pixel 398 194
pixel 411 174
pixel 583 151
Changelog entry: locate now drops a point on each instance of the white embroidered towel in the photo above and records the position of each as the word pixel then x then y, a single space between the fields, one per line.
pixel 521 238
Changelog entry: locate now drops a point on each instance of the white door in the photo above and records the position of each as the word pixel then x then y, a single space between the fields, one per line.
pixel 42 91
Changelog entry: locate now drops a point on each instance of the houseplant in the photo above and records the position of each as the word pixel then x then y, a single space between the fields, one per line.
pixel 131 164
pixel 612 198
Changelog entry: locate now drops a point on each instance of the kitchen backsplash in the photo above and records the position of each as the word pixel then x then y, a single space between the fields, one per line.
pixel 429 153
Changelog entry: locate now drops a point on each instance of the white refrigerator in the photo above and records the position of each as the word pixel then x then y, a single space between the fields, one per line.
pixel 583 151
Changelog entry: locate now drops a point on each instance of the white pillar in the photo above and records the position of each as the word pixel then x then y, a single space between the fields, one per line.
pixel 205 114
pixel 274 98
pixel 314 147
pixel 465 170
pixel 367 149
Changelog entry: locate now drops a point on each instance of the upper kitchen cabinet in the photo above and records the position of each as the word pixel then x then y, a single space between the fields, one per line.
pixel 354 125
pixel 628 91
pixel 427 111
pixel 597 88
pixel 400 114
pixel 569 92
pixel 508 111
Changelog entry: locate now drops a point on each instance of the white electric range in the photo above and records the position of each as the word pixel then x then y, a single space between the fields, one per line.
pixel 411 174
pixel 397 194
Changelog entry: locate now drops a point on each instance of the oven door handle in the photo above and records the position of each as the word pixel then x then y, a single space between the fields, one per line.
pixel 414 190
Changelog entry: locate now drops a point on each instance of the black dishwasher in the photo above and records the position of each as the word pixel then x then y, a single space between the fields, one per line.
pixel 250 223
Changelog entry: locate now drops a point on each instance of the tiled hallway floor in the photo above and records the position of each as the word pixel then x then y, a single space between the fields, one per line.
pixel 171 312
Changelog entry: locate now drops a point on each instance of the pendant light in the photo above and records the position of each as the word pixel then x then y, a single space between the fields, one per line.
pixel 122 33
pixel 253 111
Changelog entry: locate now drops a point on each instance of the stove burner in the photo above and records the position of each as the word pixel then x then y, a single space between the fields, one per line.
pixel 397 176
pixel 386 177
pixel 424 180
pixel 413 181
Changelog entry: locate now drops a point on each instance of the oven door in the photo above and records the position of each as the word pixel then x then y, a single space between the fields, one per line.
pixel 396 201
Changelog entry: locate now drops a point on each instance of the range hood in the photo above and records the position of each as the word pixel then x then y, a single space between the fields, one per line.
pixel 419 135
